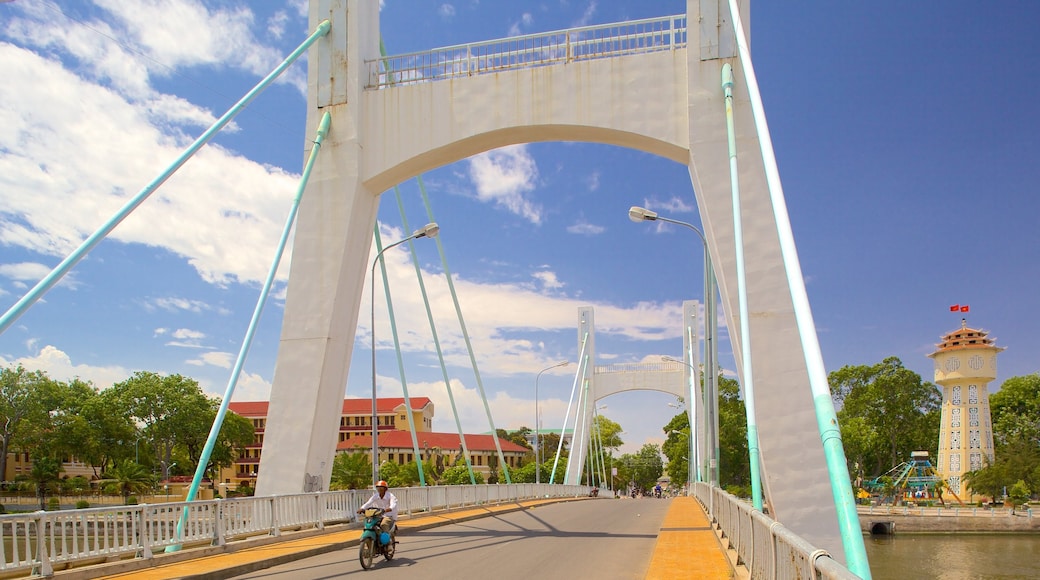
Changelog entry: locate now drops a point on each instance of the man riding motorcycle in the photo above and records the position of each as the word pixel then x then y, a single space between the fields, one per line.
pixel 386 501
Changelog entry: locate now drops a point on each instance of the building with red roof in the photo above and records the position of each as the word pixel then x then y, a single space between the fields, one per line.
pixel 397 446
pixel 355 422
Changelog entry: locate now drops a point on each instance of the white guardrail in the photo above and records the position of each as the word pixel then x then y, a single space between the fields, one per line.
pixel 764 546
pixel 531 50
pixel 36 542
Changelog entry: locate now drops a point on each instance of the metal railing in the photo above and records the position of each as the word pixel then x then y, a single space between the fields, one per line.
pixel 641 367
pixel 37 541
pixel 764 546
pixel 531 50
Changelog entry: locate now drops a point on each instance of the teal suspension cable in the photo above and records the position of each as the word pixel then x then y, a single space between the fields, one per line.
pixel 742 300
pixel 436 339
pixel 826 418
pixel 465 334
pixel 397 349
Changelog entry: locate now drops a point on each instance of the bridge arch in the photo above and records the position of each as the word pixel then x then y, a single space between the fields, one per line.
pixel 666 102
pixel 468 146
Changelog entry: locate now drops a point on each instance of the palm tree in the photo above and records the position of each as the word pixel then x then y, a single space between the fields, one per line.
pixel 127 478
pixel 44 472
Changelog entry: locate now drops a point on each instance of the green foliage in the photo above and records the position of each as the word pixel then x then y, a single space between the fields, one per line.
pixel 734 458
pixel 676 448
pixel 520 436
pixel 44 475
pixel 82 504
pixel 642 469
pixel 75 485
pixel 1016 410
pixel 53 504
pixel 23 411
pixel 351 471
pixel 886 412
pixel 1018 459
pixel 458 475
pixel 127 478
pixel 1018 493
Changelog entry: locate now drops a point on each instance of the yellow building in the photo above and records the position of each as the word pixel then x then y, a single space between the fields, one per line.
pixel 356 421
pixel 396 446
pixel 965 363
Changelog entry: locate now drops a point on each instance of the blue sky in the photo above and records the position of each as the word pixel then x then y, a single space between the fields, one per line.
pixel 906 136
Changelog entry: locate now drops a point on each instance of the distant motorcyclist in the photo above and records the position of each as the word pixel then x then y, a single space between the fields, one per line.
pixel 657 490
pixel 386 501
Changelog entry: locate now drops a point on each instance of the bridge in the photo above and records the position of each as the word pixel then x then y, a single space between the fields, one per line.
pixel 368 113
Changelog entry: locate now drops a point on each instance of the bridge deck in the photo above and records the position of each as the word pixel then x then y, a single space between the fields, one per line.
pixel 687 547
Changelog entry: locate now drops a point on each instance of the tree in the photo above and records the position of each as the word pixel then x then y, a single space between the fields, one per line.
pixel 1016 410
pixel 734 458
pixel 126 479
pixel 23 411
pixel 44 475
pixel 351 470
pixel 521 436
pixel 459 475
pixel 1018 494
pixel 900 408
pixel 173 410
pixel 642 469
pixel 676 448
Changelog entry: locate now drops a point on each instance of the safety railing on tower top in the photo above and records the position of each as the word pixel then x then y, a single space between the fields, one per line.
pixel 531 50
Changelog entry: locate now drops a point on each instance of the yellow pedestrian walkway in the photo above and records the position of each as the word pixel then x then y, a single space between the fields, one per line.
pixel 687 546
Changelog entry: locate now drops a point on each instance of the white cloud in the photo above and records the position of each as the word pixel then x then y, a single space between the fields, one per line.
pixel 548 279
pixel 276 24
pixel 586 16
pixel 186 338
pixel 593 181
pixel 500 333
pixel 584 228
pixel 213 358
pixel 673 204
pixel 33 272
pixel 59 367
pixel 50 207
pixel 505 176
pixel 446 10
pixel 526 20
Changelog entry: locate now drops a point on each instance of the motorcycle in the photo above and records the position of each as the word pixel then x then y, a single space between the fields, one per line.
pixel 375 541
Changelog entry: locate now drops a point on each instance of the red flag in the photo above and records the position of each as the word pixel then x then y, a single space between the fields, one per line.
pixel 964 308
pixel 955 308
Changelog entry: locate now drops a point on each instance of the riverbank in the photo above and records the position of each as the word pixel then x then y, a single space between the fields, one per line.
pixel 894 520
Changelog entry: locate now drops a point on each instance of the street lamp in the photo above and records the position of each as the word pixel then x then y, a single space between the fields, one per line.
pixel 711 387
pixel 430 230
pixel 537 443
pixel 166 469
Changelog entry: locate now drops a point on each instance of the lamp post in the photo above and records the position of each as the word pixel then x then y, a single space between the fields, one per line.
pixel 166 469
pixel 711 387
pixel 430 230
pixel 537 443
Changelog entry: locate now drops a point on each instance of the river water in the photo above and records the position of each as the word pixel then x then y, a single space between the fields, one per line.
pixel 954 556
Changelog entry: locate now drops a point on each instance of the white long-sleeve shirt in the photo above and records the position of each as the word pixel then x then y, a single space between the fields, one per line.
pixel 388 503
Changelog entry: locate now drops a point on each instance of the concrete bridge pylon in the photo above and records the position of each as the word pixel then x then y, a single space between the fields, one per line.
pixel 664 98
